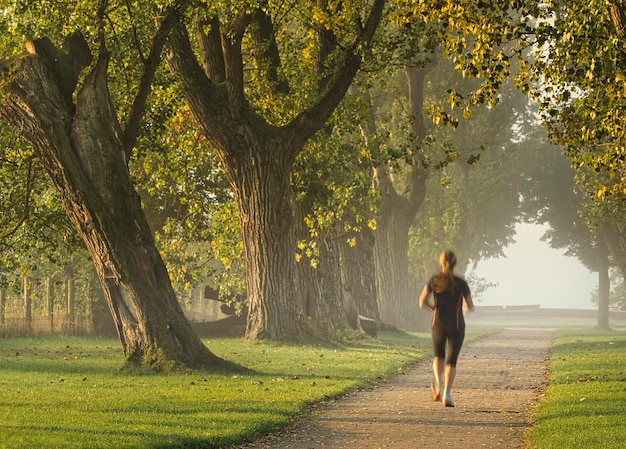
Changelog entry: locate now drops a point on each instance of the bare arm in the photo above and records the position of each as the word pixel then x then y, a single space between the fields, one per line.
pixel 424 298
pixel 469 302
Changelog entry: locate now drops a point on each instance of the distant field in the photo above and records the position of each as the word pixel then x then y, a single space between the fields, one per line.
pixel 534 316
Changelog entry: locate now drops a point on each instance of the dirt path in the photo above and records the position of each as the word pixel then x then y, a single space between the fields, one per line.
pixel 500 379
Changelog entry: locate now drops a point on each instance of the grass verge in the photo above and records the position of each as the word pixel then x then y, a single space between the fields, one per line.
pixel 586 396
pixel 64 392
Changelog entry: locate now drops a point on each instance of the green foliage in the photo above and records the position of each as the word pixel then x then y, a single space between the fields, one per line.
pixel 585 405
pixel 331 179
pixel 568 56
pixel 36 237
pixel 68 392
pixel 178 175
pixel 185 194
pixel 34 225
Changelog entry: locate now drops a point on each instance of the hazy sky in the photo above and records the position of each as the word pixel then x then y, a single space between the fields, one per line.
pixel 534 273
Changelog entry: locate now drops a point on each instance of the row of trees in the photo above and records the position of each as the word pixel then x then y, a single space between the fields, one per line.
pixel 303 133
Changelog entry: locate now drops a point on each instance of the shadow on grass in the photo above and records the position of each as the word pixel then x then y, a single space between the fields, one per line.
pixel 99 438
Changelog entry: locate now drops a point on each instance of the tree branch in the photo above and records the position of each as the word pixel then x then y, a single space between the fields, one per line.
pixel 131 127
pixel 233 60
pixel 617 14
pixel 211 49
pixel 194 81
pixel 326 42
pixel 267 54
pixel 347 66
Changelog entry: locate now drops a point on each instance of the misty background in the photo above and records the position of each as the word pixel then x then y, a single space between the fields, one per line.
pixel 533 273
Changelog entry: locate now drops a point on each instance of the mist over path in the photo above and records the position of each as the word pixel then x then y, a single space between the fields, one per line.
pixel 500 379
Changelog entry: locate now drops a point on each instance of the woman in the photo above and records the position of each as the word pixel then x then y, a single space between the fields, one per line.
pixel 448 325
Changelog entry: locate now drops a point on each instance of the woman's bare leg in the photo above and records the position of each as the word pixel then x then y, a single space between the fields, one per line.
pixel 449 379
pixel 438 370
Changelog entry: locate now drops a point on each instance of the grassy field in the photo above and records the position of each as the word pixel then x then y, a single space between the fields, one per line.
pixel 65 392
pixel 586 398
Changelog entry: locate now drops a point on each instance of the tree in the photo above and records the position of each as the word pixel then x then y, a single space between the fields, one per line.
pixel 397 212
pixel 258 141
pixel 551 196
pixel 333 224
pixel 86 153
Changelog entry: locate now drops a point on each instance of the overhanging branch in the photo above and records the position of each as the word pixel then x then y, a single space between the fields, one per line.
pixel 338 83
pixel 131 127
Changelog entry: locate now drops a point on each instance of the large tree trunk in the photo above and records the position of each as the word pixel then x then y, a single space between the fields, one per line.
pixel 398 302
pixel 257 153
pixel 258 162
pixel 358 271
pixel 320 282
pixel 260 180
pixel 80 147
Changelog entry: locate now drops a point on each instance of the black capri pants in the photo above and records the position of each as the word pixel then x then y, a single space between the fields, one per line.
pixel 453 335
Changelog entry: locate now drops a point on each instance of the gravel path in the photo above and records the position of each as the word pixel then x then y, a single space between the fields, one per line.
pixel 500 379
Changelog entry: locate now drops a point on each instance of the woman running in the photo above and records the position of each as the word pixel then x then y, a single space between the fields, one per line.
pixel 448 324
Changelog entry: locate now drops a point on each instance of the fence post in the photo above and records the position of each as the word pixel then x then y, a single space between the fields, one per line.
pixel 50 302
pixel 28 306
pixel 89 288
pixel 3 304
pixel 71 299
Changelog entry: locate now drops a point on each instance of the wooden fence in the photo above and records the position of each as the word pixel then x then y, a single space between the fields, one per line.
pixel 47 307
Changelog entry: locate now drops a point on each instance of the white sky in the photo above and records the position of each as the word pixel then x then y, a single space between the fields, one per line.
pixel 534 273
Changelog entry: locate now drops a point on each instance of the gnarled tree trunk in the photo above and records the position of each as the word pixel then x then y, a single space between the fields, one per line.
pixel 80 147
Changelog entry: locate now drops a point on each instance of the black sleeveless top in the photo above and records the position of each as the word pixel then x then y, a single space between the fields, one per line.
pixel 449 303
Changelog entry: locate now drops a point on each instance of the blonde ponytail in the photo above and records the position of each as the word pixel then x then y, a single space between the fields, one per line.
pixel 445 280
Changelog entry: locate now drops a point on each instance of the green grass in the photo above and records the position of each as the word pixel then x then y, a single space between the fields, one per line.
pixel 65 392
pixel 586 398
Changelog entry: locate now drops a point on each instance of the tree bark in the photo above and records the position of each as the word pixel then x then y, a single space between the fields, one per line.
pixel 81 147
pixel 260 180
pixel 618 13
pixel 320 285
